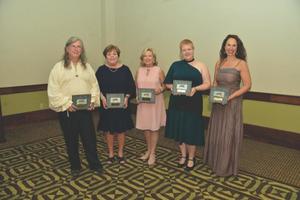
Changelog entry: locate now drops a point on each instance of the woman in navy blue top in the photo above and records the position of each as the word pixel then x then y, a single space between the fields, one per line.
pixel 114 77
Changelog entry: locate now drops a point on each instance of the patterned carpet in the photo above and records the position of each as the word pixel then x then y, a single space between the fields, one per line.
pixel 40 170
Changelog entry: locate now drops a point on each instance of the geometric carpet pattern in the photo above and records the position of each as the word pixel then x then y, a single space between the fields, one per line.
pixel 40 170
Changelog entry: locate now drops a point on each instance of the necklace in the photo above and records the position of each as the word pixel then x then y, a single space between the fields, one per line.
pixel 113 69
pixel 76 73
pixel 148 71
pixel 188 61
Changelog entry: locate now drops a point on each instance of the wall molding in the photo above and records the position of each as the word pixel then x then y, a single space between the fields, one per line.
pixel 264 134
pixel 2 134
pixel 269 135
pixel 23 89
pixel 12 121
pixel 14 90
pixel 257 96
pixel 269 97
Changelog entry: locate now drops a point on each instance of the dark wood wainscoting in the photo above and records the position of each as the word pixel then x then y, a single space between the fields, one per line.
pixel 269 135
pixel 264 134
pixel 12 121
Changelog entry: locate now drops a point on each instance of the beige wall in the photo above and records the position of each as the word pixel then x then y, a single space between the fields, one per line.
pixel 33 34
pixel 269 29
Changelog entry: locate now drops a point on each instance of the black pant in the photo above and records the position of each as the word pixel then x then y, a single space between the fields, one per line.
pixel 73 125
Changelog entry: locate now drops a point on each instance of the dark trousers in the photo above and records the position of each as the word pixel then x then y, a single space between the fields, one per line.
pixel 73 125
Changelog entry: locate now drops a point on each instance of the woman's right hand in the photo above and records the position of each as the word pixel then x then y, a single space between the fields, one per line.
pixel 137 100
pixel 72 108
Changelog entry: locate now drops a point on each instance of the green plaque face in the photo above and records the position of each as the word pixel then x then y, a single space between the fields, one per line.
pixel 181 87
pixel 115 100
pixel 146 95
pixel 219 95
pixel 82 101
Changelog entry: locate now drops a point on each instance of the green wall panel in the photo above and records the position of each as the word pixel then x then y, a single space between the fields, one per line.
pixel 272 115
pixel 24 102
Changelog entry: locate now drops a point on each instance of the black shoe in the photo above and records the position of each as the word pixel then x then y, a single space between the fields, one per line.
pixel 110 160
pixel 75 172
pixel 121 160
pixel 98 171
pixel 192 167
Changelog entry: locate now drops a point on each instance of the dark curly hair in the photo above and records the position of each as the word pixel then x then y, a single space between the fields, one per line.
pixel 240 52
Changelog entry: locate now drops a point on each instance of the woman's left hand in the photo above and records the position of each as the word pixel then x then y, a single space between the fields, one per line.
pixel 193 91
pixel 157 90
pixel 91 107
pixel 230 97
pixel 126 102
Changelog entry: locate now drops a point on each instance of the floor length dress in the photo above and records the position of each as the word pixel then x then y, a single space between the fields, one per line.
pixel 225 129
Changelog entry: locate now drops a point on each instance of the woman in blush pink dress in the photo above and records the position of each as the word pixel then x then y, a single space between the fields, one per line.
pixel 150 117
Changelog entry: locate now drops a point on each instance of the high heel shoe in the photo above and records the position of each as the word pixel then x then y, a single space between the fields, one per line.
pixel 110 160
pixel 189 168
pixel 151 160
pixel 121 160
pixel 183 163
pixel 145 156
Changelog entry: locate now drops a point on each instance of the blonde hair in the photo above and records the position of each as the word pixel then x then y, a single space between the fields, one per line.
pixel 143 54
pixel 186 42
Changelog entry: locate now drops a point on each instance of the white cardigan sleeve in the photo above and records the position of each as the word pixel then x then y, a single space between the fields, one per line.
pixel 57 100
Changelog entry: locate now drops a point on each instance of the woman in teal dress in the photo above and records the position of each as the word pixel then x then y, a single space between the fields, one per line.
pixel 184 116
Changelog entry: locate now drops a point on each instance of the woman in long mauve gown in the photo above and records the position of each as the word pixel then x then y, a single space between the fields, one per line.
pixel 225 130
pixel 150 117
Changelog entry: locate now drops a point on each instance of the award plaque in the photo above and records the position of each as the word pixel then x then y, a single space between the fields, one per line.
pixel 115 100
pixel 219 95
pixel 82 101
pixel 181 87
pixel 146 95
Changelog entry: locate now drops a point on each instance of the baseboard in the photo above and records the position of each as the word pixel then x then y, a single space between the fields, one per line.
pixel 263 134
pixel 269 135
pixel 12 121
pixel 272 136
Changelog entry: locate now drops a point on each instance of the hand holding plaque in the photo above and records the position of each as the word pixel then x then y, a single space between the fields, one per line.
pixel 146 95
pixel 181 87
pixel 115 100
pixel 219 95
pixel 82 101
